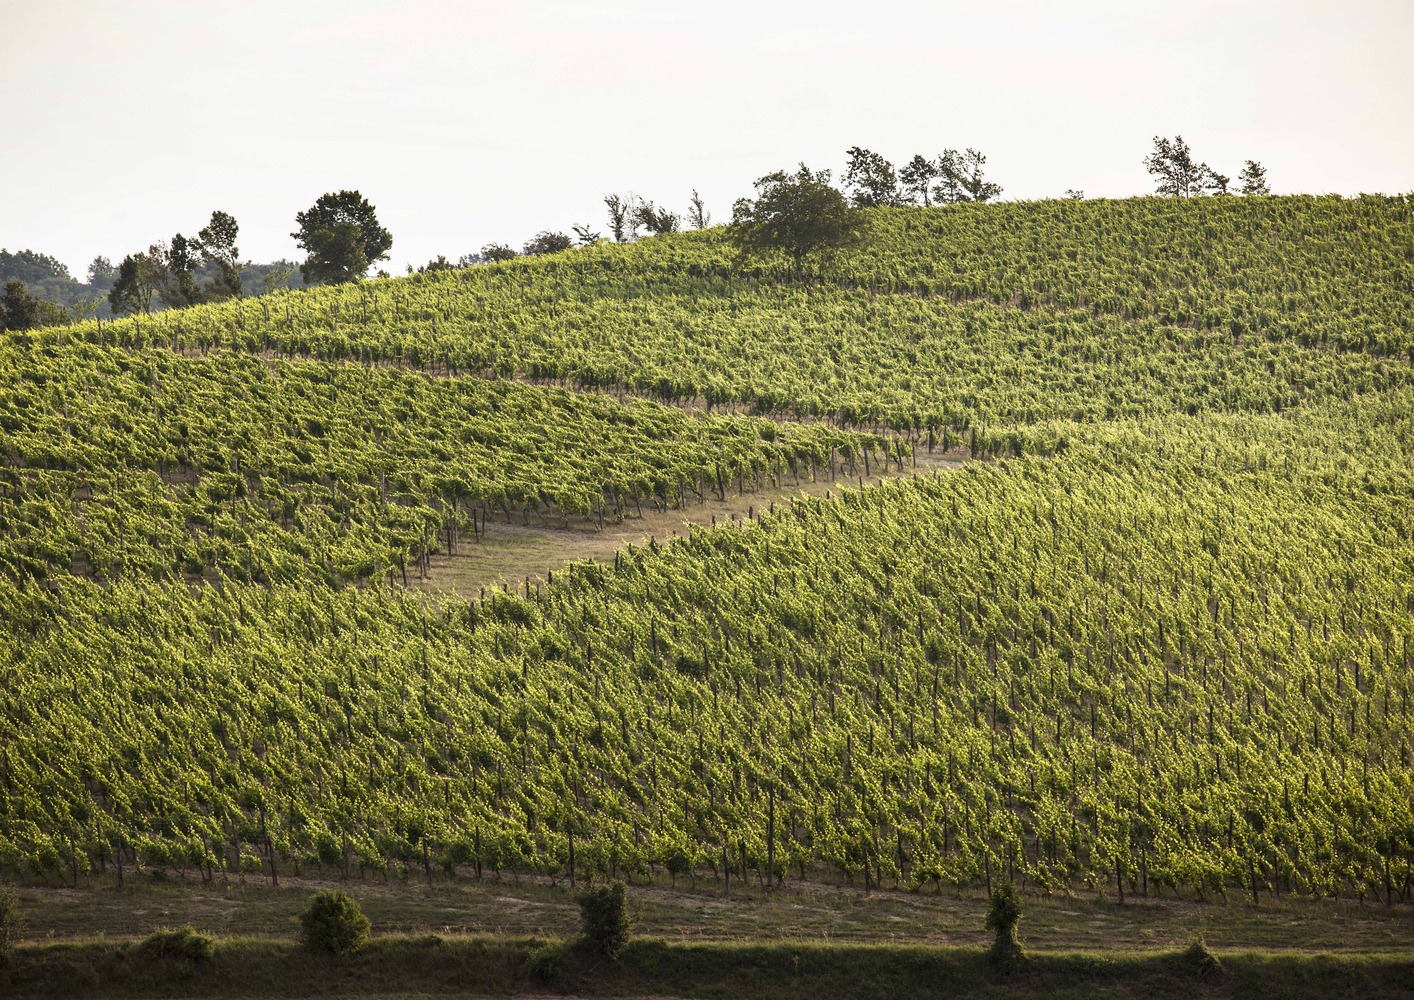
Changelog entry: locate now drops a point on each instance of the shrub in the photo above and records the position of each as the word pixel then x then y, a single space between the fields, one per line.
pixel 11 923
pixel 544 962
pixel 603 913
pixel 1198 958
pixel 187 944
pixel 1002 916
pixel 333 923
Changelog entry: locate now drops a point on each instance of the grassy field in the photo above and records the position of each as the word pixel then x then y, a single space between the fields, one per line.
pixel 435 965
pixel 473 937
pixel 795 911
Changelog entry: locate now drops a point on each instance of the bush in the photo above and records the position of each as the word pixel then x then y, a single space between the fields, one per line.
pixel 1198 958
pixel 544 962
pixel 603 913
pixel 1002 916
pixel 11 923
pixel 333 923
pixel 187 944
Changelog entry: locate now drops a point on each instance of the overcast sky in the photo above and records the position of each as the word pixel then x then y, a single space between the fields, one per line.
pixel 124 122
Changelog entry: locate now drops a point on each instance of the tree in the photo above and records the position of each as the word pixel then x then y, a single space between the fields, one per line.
pixel 1175 171
pixel 22 310
pixel 962 179
pixel 621 212
pixel 494 252
pixel 341 235
pixel 33 268
pixel 101 274
pixel 19 310
pixel 1254 179
pixel 133 289
pixel 1215 182
pixel 217 244
pixel 545 242
pixel 173 272
pixel 280 274
pixel 433 266
pixel 586 236
pixel 657 220
pixel 697 215
pixel 798 213
pixel 1075 194
pixel 872 179
pixel 917 177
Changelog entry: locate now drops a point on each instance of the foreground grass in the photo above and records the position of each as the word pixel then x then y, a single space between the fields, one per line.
pixel 432 965
pixel 700 910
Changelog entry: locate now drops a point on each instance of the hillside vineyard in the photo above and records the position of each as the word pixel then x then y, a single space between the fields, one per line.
pixel 1156 630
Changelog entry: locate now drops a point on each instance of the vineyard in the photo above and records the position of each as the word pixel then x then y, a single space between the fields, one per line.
pixel 1155 636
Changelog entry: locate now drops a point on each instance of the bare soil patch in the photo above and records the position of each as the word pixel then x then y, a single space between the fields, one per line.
pixel 513 553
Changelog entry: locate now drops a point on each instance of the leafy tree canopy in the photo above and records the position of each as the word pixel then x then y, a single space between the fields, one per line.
pixel 871 178
pixel 798 213
pixel 341 235
pixel 546 241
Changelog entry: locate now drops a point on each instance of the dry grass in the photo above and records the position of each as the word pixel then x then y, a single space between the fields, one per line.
pixel 797 911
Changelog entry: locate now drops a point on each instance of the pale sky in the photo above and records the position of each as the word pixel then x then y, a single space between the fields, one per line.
pixel 125 121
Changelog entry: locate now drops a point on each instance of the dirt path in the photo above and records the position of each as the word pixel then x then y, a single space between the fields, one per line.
pixel 511 554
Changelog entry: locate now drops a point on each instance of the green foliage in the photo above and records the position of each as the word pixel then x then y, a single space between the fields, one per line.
pixel 494 253
pixel 1159 630
pixel 341 235
pixel 1003 914
pixel 19 310
pixel 217 244
pixel 11 922
pixel 133 287
pixel 1197 958
pixel 546 242
pixel 185 944
pixel 1254 179
pixel 374 468
pixel 544 962
pixel 605 919
pixel 872 179
pixel 798 213
pixel 333 923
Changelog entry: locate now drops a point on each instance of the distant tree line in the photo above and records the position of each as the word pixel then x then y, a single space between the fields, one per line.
pixel 1177 174
pixel 947 179
pixel 797 212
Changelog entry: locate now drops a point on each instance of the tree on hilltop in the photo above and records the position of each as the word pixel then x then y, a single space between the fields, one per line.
pixel 173 270
pixel 1177 174
pixel 493 253
pixel 872 179
pixel 657 220
pixel 545 242
pixel 19 310
pixel 341 235
pixel 623 222
pixel 697 215
pixel 134 286
pixel 1254 179
pixel 798 213
pixel 917 178
pixel 962 177
pixel 217 244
